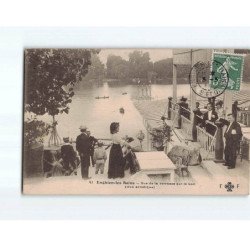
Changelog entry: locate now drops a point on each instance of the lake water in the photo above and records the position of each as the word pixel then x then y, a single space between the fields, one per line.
pixel 97 114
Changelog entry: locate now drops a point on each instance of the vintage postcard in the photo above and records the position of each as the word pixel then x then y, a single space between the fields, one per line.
pixel 136 121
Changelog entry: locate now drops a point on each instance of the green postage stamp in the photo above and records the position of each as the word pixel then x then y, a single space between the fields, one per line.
pixel 232 66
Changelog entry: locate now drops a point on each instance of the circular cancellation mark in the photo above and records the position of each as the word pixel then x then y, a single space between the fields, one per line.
pixel 208 80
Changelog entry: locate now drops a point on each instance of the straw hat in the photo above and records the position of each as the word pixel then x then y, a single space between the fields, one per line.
pixel 83 127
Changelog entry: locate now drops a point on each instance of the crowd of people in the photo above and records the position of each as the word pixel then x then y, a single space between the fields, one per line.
pixel 91 152
pixel 207 119
pixel 232 129
pixel 214 112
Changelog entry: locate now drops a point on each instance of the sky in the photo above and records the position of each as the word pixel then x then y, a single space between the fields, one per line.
pixel 155 54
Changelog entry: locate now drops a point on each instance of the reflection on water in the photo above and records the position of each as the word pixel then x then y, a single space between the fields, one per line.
pixel 97 114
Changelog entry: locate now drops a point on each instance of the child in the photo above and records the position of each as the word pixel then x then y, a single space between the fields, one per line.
pixel 68 156
pixel 100 158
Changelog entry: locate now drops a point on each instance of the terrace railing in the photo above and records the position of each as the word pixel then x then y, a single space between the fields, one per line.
pixel 207 142
pixel 175 115
pixel 186 126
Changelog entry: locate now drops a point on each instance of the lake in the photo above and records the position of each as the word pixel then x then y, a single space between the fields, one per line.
pixel 97 114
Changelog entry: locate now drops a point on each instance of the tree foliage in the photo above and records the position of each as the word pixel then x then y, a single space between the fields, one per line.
pixel 50 75
pixel 139 64
pixel 34 131
pixel 97 69
pixel 117 68
pixel 164 68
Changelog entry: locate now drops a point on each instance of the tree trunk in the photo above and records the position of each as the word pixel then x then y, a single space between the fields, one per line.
pixel 54 139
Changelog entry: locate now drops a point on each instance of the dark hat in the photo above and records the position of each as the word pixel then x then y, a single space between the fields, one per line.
pixel 183 98
pixel 66 139
pixel 113 127
pixel 99 144
pixel 220 102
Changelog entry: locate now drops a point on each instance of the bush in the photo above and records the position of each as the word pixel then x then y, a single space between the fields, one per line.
pixel 34 131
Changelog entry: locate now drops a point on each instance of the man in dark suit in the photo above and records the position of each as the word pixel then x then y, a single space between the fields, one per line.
pixel 233 135
pixel 83 148
pixel 198 114
pixel 209 118
pixel 68 156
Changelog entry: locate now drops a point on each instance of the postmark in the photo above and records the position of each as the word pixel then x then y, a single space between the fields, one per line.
pixel 206 81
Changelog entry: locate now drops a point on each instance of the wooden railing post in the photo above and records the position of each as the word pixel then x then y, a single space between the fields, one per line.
pixel 169 107
pixel 179 117
pixel 195 123
pixel 219 143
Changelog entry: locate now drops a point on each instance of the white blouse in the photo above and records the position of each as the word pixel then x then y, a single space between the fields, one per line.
pixel 116 139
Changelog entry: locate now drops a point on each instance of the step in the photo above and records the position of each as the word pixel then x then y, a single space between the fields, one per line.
pixel 214 169
pixel 198 172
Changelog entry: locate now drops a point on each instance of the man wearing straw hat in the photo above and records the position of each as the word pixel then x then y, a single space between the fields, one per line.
pixel 83 148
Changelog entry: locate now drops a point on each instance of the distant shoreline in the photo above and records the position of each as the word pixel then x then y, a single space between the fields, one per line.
pixel 164 81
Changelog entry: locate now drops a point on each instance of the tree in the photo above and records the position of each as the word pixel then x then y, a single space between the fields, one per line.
pixel 164 68
pixel 96 69
pixel 139 64
pixel 117 68
pixel 122 70
pixel 34 131
pixel 50 75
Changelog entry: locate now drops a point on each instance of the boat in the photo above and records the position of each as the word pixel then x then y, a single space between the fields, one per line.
pixel 122 110
pixel 101 97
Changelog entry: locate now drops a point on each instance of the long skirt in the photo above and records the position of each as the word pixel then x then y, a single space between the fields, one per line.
pixel 116 162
